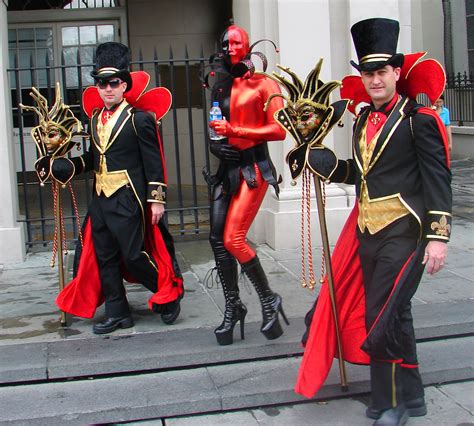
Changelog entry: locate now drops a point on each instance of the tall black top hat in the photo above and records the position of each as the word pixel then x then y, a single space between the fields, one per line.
pixel 112 61
pixel 375 41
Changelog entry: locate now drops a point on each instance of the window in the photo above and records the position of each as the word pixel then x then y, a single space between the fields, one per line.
pixel 78 46
pixel 91 4
pixel 30 48
pixel 36 56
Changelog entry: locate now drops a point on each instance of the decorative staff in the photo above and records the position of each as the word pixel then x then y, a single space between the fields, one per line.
pixel 53 139
pixel 308 117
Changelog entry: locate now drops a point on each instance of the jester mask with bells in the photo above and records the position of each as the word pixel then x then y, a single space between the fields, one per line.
pixel 308 117
pixel 53 136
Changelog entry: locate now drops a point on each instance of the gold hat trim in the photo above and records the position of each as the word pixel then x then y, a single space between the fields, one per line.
pixel 107 70
pixel 375 57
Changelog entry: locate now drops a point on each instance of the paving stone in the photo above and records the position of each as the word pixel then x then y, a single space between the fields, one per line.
pixel 442 409
pixel 109 400
pixel 23 363
pixel 240 418
pixel 461 394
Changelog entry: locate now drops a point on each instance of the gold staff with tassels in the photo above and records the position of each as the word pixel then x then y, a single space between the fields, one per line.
pixel 308 117
pixel 53 139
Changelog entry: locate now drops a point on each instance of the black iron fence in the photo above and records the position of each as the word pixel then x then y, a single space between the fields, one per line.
pixel 183 132
pixel 459 98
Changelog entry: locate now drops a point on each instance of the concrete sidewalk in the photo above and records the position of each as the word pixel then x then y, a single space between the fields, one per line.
pixel 29 315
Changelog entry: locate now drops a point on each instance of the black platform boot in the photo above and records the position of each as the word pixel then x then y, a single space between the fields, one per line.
pixel 235 310
pixel 271 302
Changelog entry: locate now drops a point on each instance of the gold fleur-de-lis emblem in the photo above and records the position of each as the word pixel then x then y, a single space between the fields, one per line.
pixel 158 194
pixel 294 166
pixel 442 227
pixel 42 173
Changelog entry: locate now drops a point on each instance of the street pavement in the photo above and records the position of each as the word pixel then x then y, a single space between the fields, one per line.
pixel 28 315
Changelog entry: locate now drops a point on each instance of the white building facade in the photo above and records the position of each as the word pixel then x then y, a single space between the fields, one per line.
pixel 304 30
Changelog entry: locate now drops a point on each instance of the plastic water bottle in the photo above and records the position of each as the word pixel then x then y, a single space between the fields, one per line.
pixel 215 114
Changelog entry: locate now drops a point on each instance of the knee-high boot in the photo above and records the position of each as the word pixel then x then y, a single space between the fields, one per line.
pixel 235 310
pixel 271 302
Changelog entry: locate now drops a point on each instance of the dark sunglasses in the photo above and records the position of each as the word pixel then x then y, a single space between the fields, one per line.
pixel 112 83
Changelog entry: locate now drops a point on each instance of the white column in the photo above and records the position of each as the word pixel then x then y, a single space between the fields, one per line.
pixel 301 29
pixel 12 239
pixel 306 30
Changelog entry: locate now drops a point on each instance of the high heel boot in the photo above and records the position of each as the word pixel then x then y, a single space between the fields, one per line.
pixel 235 310
pixel 271 302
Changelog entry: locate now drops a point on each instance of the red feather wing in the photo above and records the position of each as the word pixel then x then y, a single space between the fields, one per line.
pixel 157 100
pixel 140 81
pixel 91 100
pixel 353 89
pixel 424 77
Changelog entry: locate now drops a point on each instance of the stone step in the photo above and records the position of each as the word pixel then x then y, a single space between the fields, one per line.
pixel 205 389
pixel 169 350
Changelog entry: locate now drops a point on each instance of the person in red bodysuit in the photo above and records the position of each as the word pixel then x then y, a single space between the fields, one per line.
pixel 239 186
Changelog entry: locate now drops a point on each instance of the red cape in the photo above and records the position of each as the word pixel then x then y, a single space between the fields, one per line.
pixel 321 346
pixel 83 294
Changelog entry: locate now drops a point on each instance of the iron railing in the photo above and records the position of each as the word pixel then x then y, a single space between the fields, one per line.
pixel 459 98
pixel 183 131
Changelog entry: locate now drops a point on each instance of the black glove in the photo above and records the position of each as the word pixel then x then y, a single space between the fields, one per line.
pixel 322 161
pixel 62 169
pixel 225 152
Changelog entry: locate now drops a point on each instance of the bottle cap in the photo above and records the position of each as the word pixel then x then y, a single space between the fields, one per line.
pixel 215 104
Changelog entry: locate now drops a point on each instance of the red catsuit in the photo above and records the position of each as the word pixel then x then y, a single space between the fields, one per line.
pixel 249 125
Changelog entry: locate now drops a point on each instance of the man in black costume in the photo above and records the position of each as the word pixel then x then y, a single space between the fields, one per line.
pixel 400 167
pixel 129 196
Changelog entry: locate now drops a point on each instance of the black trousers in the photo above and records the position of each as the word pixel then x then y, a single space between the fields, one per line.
pixel 382 257
pixel 117 232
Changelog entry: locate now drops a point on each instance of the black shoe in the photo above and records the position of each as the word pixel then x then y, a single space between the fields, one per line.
pixel 111 324
pixel 415 408
pixel 397 416
pixel 170 312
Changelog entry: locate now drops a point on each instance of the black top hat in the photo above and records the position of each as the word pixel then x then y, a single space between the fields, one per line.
pixel 112 61
pixel 375 41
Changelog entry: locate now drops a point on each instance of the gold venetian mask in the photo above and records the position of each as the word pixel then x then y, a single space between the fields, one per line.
pixel 53 137
pixel 56 126
pixel 306 116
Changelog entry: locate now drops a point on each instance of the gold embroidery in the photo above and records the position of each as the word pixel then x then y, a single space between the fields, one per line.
pixel 442 227
pixel 379 213
pixel 109 182
pixel 294 166
pixel 158 194
pixel 375 119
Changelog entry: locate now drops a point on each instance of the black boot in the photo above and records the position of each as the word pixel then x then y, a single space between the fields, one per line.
pixel 111 324
pixel 413 392
pixel 271 302
pixel 235 310
pixel 385 379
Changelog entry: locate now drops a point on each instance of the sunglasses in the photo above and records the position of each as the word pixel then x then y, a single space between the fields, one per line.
pixel 112 83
